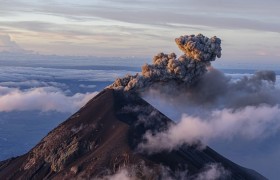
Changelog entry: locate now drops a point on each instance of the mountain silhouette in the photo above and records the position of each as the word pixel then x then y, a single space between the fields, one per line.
pixel 101 139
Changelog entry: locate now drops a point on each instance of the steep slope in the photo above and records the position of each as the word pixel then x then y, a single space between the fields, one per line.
pixel 102 138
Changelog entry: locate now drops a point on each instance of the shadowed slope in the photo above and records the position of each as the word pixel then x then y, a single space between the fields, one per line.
pixel 102 137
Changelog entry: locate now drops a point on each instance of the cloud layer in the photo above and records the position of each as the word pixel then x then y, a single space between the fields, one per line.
pixel 246 123
pixel 51 74
pixel 42 99
pixel 107 28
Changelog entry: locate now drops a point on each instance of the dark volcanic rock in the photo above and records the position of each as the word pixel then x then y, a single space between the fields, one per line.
pixel 101 138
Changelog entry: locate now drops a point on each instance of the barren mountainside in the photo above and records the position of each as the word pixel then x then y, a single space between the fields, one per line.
pixel 102 138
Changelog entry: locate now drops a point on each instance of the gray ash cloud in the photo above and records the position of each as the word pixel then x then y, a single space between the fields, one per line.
pixel 187 69
pixel 216 108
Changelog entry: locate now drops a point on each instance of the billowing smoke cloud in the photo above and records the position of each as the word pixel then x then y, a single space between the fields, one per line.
pixel 187 69
pixel 200 47
pixel 42 99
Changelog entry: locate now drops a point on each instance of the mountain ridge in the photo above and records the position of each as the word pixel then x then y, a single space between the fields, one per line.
pixel 101 139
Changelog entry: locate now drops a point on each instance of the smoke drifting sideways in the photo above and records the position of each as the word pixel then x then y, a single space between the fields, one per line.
pixel 185 70
pixel 216 108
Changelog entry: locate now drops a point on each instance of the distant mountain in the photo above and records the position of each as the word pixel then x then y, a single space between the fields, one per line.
pixel 102 138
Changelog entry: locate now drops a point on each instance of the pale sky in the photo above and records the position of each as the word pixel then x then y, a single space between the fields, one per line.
pixel 249 29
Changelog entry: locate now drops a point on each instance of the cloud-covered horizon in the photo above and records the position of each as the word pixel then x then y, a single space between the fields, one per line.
pixel 22 73
pixel 41 99
pixel 30 82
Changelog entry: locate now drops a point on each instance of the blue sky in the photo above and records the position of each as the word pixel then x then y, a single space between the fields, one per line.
pixel 249 29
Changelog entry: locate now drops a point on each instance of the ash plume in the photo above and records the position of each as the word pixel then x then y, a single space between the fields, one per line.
pixel 187 69
pixel 216 108
pixel 200 47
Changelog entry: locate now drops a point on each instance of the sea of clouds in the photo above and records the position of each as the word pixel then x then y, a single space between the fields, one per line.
pixel 39 92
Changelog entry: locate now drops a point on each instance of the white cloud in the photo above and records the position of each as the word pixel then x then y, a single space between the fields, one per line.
pixel 42 99
pixel 213 172
pixel 210 171
pixel 120 175
pixel 246 123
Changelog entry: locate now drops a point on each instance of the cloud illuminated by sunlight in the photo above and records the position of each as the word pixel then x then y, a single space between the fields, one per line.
pixel 138 28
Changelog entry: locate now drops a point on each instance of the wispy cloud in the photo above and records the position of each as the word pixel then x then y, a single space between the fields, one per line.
pixel 190 12
pixel 119 25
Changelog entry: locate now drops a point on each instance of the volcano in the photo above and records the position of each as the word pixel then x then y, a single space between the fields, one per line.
pixel 101 139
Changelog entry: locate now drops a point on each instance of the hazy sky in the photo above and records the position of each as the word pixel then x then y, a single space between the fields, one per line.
pixel 249 29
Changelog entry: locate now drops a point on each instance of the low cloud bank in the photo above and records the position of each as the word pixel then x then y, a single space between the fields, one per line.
pixel 42 99
pixel 247 123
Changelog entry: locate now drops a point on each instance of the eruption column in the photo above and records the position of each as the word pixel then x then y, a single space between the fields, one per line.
pixel 187 69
